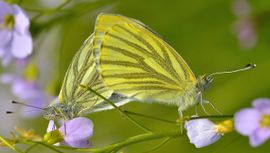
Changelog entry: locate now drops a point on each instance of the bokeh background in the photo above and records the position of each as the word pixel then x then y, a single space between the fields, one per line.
pixel 210 35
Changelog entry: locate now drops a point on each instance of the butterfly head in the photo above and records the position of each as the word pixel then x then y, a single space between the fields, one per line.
pixel 204 82
pixel 61 111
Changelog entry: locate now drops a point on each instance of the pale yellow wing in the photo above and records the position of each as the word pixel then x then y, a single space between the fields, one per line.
pixel 135 62
pixel 82 70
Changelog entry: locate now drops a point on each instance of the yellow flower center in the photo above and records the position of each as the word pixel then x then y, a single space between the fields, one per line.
pixel 8 22
pixel 265 121
pixel 224 127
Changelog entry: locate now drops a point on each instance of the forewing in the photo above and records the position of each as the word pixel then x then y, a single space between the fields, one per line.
pixel 136 62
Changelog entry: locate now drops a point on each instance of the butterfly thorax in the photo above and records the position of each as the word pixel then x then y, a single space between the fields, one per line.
pixel 62 111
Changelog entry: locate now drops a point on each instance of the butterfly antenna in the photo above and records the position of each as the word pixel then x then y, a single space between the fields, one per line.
pixel 9 112
pixel 247 67
pixel 23 104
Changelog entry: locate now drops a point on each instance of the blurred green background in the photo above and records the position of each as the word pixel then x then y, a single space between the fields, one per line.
pixel 203 34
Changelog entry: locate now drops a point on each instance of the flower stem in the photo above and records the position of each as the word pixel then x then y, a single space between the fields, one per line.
pixel 209 116
pixel 31 147
pixel 150 117
pixel 49 11
pixel 135 139
pixel 10 145
pixel 50 147
pixel 118 109
pixel 158 146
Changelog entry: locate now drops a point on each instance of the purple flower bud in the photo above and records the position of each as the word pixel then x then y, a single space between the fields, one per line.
pixel 15 38
pixel 75 132
pixel 254 122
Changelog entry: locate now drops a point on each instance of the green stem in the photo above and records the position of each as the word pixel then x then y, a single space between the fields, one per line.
pixel 150 117
pixel 118 109
pixel 35 143
pixel 133 140
pixel 31 147
pixel 10 145
pixel 158 146
pixel 210 116
pixel 50 11
pixel 50 147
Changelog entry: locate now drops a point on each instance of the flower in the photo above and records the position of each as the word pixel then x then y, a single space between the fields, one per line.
pixel 28 91
pixel 254 122
pixel 15 38
pixel 241 8
pixel 75 133
pixel 244 27
pixel 203 132
pixel 246 33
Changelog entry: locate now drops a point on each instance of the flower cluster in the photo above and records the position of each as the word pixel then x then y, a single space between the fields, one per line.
pixel 15 38
pixel 16 43
pixel 253 122
pixel 244 26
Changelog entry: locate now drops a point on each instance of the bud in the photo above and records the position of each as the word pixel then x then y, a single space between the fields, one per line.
pixel 53 137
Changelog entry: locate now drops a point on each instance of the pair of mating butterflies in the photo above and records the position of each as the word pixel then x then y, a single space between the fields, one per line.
pixel 124 60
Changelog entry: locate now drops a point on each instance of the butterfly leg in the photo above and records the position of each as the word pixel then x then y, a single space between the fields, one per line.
pixel 204 102
pixel 196 110
pixel 181 120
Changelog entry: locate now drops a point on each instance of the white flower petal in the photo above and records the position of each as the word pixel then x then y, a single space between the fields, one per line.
pixel 51 126
pixel 201 132
pixel 21 20
pixel 21 45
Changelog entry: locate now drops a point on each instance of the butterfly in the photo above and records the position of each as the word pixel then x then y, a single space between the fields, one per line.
pixel 124 60
pixel 135 62
pixel 74 101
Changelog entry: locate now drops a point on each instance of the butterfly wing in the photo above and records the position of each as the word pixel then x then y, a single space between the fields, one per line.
pixel 83 71
pixel 134 61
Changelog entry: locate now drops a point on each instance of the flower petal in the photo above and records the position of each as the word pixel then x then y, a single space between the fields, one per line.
pixel 21 45
pixel 6 58
pixel 7 78
pixel 262 104
pixel 4 10
pixel 51 126
pixel 247 121
pixel 259 137
pixel 201 132
pixel 5 38
pixel 77 132
pixel 21 20
pixel 84 143
pixel 20 86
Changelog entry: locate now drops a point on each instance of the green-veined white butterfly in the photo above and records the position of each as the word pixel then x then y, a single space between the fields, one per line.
pixel 124 60
pixel 136 62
